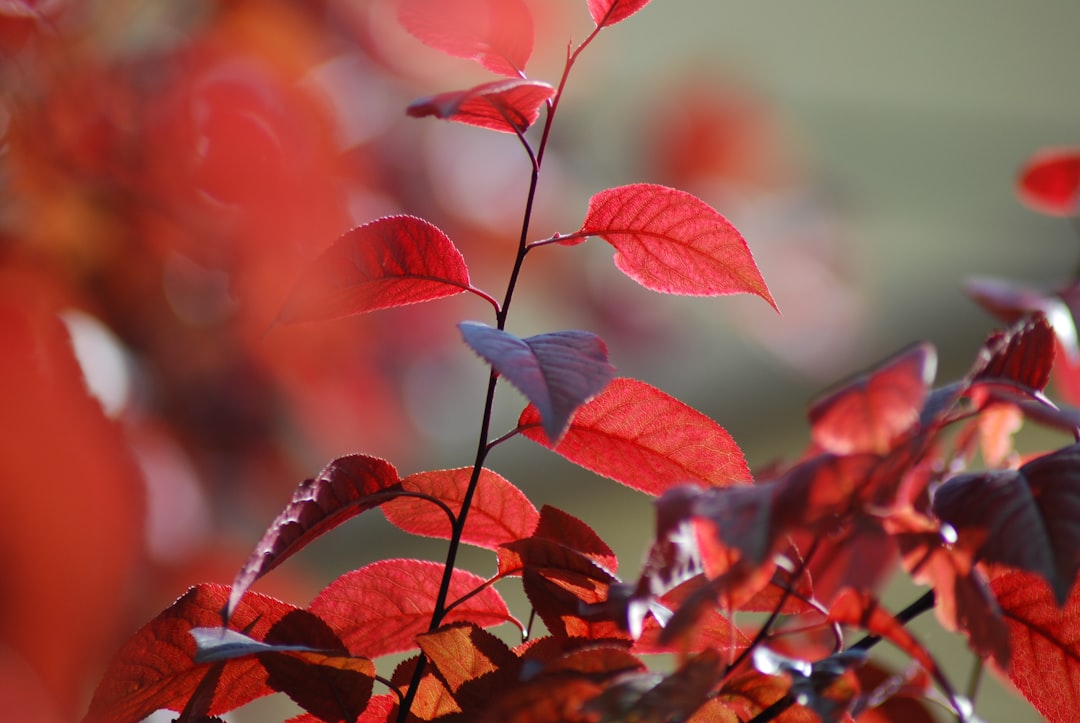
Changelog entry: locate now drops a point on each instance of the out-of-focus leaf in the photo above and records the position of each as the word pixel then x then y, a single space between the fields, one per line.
pixel 1027 518
pixel 557 372
pixel 1011 302
pixel 499 513
pixel 869 413
pixel 380 608
pixel 606 13
pixel 344 488
pixel 392 261
pixel 507 106
pixel 498 34
pixel 636 434
pixel 1050 182
pixel 863 611
pixel 673 242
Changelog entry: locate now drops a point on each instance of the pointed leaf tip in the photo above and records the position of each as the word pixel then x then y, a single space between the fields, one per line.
pixel 498 34
pixel 1050 182
pixel 670 241
pixel 507 106
pixel 606 13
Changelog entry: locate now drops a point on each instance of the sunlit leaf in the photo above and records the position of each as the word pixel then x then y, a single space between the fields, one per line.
pixel 499 513
pixel 508 106
pixel 670 241
pixel 343 489
pixel 392 261
pixel 1050 182
pixel 380 608
pixel 636 434
pixel 606 13
pixel 463 653
pixel 557 372
pixel 565 529
pixel 498 34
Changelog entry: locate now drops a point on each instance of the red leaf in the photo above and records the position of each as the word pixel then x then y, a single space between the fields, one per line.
pixel 606 13
pixel 639 436
pixel 499 513
pixel 871 412
pixel 557 372
pixel 381 608
pixel 863 611
pixel 1023 355
pixel 1046 644
pixel 1050 182
pixel 569 531
pixel 507 106
pixel 670 241
pixel 498 34
pixel 463 653
pixel 344 488
pixel 392 261
pixel 156 667
pixel 1025 518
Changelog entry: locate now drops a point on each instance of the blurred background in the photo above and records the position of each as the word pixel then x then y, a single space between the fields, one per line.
pixel 167 168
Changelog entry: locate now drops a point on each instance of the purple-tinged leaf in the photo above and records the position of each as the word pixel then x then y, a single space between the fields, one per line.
pixel 507 106
pixel 557 372
pixel 1023 355
pixel 392 261
pixel 343 489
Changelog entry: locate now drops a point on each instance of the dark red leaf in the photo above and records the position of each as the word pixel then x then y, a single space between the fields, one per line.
pixel 863 611
pixel 499 513
pixel 381 608
pixel 156 667
pixel 606 13
pixel 508 106
pixel 546 699
pixel 556 372
pixel 463 653
pixel 674 698
pixel 1050 182
pixel 636 434
pixel 567 530
pixel 344 488
pixel 392 261
pixel 1045 640
pixel 1027 518
pixel 498 34
pixel 1011 302
pixel 1023 355
pixel 872 411
pixel 670 241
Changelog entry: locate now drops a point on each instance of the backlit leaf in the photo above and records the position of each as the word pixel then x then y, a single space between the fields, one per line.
pixel 508 106
pixel 499 513
pixel 343 489
pixel 1050 182
pixel 1027 518
pixel 556 372
pixel 463 653
pixel 1045 642
pixel 498 34
pixel 565 529
pixel 636 434
pixel 606 13
pixel 673 242
pixel 392 261
pixel 863 611
pixel 1023 355
pixel 869 413
pixel 156 667
pixel 380 608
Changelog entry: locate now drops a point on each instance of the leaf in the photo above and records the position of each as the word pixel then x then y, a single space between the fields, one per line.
pixel 863 611
pixel 1011 302
pixel 498 34
pixel 557 372
pixel 1024 355
pixel 156 667
pixel 507 106
pixel 463 653
pixel 392 261
pixel 1027 518
pixel 343 489
pixel 567 530
pixel 606 13
pixel 672 242
pixel 380 608
pixel 1050 182
pixel 1045 640
pixel 643 438
pixel 872 411
pixel 499 512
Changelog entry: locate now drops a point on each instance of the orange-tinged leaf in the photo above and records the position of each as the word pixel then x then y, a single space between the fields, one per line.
pixel 1045 641
pixel 156 667
pixel 463 653
pixel 636 434
pixel 498 34
pixel 343 489
pixel 670 241
pixel 380 608
pixel 499 513
pixel 392 261
pixel 869 413
pixel 1050 182
pixel 507 106
pixel 606 13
